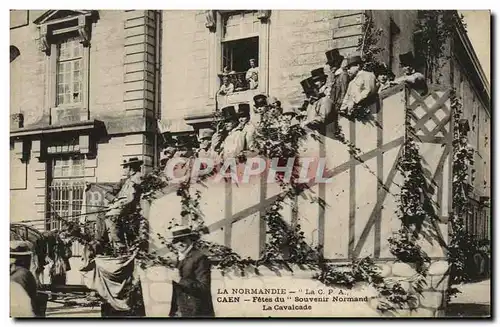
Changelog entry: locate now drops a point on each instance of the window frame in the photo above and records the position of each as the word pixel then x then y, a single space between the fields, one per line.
pixel 226 45
pixel 52 33
pixel 70 60
pixel 73 182
pixel 215 45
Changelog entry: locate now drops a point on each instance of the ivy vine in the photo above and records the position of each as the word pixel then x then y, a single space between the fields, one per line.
pixel 462 245
pixel 434 30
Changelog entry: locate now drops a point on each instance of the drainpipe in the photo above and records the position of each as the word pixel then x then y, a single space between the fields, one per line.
pixel 157 85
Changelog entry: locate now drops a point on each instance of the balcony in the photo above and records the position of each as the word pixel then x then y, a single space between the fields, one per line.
pixel 243 91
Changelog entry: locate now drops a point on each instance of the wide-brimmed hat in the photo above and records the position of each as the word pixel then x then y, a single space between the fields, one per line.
pixel 20 248
pixel 132 161
pixel 289 111
pixel 229 113
pixel 260 100
pixel 243 110
pixel 181 232
pixel 205 133
pixel 333 57
pixel 318 74
pixel 407 59
pixel 353 60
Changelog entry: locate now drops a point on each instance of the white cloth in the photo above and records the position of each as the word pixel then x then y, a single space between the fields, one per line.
pixel 234 143
pixel 226 89
pixel 112 278
pixel 239 139
pixel 250 71
pixel 20 302
pixel 183 255
pixel 361 87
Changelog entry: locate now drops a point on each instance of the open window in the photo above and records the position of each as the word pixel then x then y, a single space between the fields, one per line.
pixel 236 36
pixel 239 46
pixel 236 56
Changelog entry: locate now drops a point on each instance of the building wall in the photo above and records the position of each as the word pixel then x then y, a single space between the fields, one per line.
pixel 112 58
pixel 121 74
pixel 123 70
pixel 107 72
pixel 393 42
pixel 28 76
pixel 479 119
pixel 297 42
pixel 23 196
pixel 185 61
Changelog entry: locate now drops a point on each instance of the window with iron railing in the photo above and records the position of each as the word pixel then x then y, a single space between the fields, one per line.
pixel 66 191
pixel 236 56
pixel 240 46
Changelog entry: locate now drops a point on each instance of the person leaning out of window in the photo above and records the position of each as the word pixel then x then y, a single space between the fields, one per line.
pixel 252 75
pixel 227 87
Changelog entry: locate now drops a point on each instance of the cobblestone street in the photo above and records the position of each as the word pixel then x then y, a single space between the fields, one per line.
pixel 55 310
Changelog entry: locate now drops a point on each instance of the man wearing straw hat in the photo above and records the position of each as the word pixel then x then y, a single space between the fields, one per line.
pixel 126 201
pixel 362 87
pixel 191 296
pixel 23 284
pixel 205 139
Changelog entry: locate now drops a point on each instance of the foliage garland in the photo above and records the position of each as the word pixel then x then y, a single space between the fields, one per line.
pixel 434 29
pixel 412 209
pixel 462 245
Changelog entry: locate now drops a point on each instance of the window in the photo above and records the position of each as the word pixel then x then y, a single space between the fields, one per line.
pixel 69 72
pixel 65 39
pixel 240 44
pixel 236 57
pixel 236 36
pixel 66 190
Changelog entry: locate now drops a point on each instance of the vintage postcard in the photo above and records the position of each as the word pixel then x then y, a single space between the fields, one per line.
pixel 250 163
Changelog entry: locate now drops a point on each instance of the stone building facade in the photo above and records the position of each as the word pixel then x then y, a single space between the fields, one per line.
pixel 88 88
pixel 83 99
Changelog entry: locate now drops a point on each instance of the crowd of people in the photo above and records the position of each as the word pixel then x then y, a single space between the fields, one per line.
pixel 342 87
pixel 237 82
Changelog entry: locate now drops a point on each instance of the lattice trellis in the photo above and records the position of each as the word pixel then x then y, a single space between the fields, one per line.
pixel 430 114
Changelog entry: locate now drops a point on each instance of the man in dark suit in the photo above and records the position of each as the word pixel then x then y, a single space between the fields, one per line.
pixel 191 296
pixel 26 303
pixel 411 77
